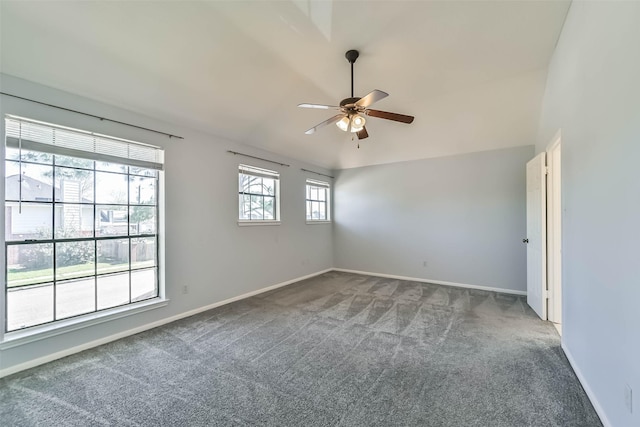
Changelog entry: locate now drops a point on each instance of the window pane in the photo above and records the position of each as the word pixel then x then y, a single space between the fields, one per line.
pixel 113 290
pixel 142 220
pixel 75 297
pixel 257 210
pixel 113 255
pixel 245 206
pixel 142 191
pixel 35 185
pixel 28 264
pixel 308 210
pixel 34 222
pixel 111 188
pixel 74 185
pixel 134 170
pixel 28 156
pixel 314 193
pixel 269 186
pixel 315 210
pixel 73 221
pixel 143 252
pixel 322 194
pixel 243 183
pixel 255 185
pixel 111 220
pixel 29 306
pixel 111 167
pixel 73 162
pixel 143 284
pixel 74 259
pixel 269 207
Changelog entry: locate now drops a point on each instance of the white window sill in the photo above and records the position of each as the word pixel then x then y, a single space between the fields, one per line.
pixel 318 221
pixel 257 222
pixel 17 338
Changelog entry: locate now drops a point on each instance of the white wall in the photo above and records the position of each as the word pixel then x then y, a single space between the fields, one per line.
pixel 464 215
pixel 593 97
pixel 205 248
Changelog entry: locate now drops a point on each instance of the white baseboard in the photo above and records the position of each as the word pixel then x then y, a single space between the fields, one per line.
pixel 67 352
pixel 436 282
pixel 587 389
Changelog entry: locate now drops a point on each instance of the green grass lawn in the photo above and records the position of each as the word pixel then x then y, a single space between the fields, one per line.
pixel 19 277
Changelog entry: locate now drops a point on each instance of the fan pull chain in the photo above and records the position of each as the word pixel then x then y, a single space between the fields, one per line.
pixel 353 138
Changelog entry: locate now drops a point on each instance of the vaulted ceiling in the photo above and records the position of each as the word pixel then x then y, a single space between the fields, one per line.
pixel 472 73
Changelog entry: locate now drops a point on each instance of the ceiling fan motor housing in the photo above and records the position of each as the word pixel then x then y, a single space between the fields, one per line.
pixel 348 102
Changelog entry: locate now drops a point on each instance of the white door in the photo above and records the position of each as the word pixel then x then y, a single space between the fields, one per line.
pixel 536 236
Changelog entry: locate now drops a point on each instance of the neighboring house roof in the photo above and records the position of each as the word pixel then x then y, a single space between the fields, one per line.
pixel 32 189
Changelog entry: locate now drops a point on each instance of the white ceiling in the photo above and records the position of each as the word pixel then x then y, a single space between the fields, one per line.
pixel 471 72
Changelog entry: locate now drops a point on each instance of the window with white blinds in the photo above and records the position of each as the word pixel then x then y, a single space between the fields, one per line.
pixel 318 201
pixel 27 134
pixel 258 195
pixel 81 223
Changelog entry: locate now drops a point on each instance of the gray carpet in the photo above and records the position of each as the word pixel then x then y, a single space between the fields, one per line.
pixel 335 350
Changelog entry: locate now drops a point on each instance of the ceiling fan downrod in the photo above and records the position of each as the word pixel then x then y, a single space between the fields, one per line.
pixel 351 56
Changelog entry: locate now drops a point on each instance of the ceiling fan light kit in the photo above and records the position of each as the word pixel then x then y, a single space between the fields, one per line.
pixel 354 123
pixel 352 110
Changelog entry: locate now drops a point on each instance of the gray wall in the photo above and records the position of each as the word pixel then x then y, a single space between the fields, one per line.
pixel 593 97
pixel 464 215
pixel 205 248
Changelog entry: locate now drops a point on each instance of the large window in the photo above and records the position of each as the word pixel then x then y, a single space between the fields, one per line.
pixel 318 206
pixel 258 195
pixel 81 222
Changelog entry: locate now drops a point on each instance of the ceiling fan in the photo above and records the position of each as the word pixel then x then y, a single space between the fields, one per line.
pixel 352 110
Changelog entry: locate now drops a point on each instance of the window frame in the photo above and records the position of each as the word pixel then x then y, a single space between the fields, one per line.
pixel 256 172
pixel 129 174
pixel 320 185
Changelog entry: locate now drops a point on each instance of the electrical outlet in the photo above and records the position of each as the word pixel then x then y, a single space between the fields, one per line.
pixel 185 289
pixel 628 398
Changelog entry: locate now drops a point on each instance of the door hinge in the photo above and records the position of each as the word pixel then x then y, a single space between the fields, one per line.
pixel 545 294
pixel 546 170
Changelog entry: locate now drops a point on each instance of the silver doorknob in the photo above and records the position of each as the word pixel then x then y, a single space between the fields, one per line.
pixel 525 240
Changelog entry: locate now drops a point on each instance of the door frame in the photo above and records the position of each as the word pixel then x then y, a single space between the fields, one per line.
pixel 554 229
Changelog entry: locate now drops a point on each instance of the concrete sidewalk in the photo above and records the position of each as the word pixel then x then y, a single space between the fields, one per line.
pixel 33 305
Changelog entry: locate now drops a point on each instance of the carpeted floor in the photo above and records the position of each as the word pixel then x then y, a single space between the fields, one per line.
pixel 336 350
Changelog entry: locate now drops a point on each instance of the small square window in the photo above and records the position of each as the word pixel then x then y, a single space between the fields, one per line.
pixel 258 195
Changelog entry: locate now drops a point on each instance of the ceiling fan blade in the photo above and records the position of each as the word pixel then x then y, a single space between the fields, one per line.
pixel 363 133
pixel 332 120
pixel 373 96
pixel 318 106
pixel 390 116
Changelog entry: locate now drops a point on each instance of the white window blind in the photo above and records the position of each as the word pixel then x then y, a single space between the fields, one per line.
pixel 317 183
pixel 28 134
pixel 264 173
